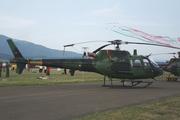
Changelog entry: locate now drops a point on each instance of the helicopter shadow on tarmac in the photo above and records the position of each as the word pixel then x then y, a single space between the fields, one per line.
pixel 141 84
pixel 130 87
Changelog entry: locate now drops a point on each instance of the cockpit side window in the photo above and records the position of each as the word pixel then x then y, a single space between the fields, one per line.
pixel 135 63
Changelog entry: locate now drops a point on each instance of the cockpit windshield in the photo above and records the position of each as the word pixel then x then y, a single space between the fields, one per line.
pixel 154 63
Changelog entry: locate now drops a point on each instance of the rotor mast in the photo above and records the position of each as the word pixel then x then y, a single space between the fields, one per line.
pixel 178 54
pixel 117 43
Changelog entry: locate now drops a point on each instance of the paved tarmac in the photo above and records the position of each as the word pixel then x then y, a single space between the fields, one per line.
pixel 68 101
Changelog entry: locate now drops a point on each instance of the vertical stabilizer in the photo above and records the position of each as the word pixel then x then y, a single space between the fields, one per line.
pixel 14 49
pixel 19 59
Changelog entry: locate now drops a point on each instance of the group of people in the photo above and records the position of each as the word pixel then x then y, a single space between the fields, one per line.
pixel 46 72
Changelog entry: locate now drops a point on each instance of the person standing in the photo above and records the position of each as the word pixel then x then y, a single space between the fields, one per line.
pixel 44 71
pixel 40 71
pixel 65 71
pixel 48 72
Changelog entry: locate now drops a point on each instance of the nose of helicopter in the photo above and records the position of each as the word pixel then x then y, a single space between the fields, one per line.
pixel 158 71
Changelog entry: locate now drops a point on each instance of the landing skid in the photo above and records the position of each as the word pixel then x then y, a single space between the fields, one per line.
pixel 137 82
pixel 133 82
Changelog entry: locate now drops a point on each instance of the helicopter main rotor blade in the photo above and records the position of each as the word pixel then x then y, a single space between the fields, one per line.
pixel 152 44
pixel 70 45
pixel 163 53
pixel 119 42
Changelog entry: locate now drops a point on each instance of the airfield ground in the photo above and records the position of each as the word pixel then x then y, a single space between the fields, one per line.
pixel 68 101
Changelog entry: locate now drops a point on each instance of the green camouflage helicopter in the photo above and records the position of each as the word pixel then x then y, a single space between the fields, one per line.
pixel 173 67
pixel 110 63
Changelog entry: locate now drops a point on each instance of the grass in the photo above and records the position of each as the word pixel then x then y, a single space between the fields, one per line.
pixel 29 78
pixel 165 109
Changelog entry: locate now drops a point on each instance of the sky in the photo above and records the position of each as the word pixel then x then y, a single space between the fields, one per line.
pixel 56 23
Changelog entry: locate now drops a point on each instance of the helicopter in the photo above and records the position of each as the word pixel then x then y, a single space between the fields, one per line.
pixel 173 67
pixel 109 63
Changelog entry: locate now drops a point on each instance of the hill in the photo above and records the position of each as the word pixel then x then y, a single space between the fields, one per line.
pixel 31 50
